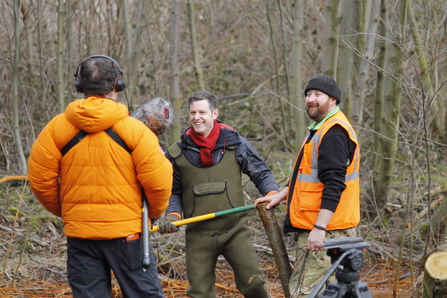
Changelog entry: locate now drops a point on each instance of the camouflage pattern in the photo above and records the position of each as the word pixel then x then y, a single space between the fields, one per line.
pixel 311 266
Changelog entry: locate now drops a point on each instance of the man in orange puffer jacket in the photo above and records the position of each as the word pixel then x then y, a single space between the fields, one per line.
pixel 97 186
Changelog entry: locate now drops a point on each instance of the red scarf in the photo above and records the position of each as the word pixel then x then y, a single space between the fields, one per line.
pixel 207 144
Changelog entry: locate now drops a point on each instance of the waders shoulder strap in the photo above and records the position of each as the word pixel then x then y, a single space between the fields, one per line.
pixel 174 150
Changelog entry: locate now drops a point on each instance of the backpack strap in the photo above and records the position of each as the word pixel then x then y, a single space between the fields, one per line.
pixel 81 134
pixel 76 139
pixel 117 139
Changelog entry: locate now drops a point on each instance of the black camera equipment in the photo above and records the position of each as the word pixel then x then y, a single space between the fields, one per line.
pixel 347 260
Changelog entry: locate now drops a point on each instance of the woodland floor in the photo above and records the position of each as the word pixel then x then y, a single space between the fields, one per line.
pixel 33 252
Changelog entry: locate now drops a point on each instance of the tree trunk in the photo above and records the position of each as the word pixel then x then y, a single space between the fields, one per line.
pixel 174 81
pixel 445 99
pixel 282 19
pixel 15 88
pixel 331 37
pixel 27 28
pixel 128 43
pixel 391 109
pixel 378 101
pixel 359 97
pixel 431 102
pixel 297 95
pixel 69 23
pixel 133 73
pixel 277 75
pixel 346 71
pixel 195 55
pixel 60 56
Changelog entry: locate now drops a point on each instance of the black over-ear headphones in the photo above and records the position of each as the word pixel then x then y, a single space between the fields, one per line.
pixel 119 84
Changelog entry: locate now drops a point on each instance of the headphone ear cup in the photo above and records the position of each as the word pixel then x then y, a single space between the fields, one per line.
pixel 119 85
pixel 78 85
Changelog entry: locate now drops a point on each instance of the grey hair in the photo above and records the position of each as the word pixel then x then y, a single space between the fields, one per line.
pixel 157 114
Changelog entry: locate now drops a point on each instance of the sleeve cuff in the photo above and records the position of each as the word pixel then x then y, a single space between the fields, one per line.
pixel 272 192
pixel 176 214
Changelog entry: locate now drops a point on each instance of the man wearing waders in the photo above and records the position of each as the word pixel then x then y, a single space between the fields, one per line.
pixel 208 166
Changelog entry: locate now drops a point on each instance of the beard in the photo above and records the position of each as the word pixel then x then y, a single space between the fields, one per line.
pixel 316 111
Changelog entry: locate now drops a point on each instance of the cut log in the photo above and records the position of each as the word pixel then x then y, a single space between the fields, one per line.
pixel 436 265
pixel 434 281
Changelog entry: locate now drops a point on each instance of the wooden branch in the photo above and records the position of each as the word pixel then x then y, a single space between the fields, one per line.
pixel 12 178
pixel 6 229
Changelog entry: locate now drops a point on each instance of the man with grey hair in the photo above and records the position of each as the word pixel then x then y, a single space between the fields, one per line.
pixel 208 165
pixel 157 114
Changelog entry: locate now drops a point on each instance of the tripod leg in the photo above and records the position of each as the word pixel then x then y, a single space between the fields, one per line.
pixel 333 290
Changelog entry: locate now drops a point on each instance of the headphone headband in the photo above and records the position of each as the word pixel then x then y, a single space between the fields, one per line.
pixel 119 86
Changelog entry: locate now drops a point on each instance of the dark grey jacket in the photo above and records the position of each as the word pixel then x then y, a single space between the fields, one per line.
pixel 248 159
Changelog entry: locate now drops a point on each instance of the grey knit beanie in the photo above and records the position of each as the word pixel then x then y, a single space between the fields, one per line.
pixel 324 84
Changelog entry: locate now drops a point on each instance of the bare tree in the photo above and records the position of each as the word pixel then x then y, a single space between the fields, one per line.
pixel 391 107
pixel 351 31
pixel 60 56
pixel 436 107
pixel 15 87
pixel 174 81
pixel 277 70
pixel 69 37
pixel 297 95
pixel 378 204
pixel 282 18
pixel 331 37
pixel 194 49
pixel 368 55
pixel 356 15
pixel 131 47
pixel 27 22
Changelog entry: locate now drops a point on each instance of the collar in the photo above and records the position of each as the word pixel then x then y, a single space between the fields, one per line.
pixel 315 126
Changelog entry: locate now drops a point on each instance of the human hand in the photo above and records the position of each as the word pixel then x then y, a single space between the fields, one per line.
pixel 166 225
pixel 315 240
pixel 272 200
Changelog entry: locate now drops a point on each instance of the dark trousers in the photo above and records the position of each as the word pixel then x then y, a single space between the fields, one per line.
pixel 90 263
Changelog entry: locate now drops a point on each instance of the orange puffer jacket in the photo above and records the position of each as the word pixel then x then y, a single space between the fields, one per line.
pixel 96 186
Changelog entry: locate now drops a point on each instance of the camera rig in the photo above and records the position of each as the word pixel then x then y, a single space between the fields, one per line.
pixel 347 260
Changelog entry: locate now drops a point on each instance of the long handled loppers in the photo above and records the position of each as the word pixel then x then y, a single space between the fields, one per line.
pixel 207 216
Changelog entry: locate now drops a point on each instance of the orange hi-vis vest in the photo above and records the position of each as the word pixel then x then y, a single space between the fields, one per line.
pixel 307 192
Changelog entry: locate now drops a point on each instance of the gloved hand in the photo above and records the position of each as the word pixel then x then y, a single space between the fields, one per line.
pixel 166 225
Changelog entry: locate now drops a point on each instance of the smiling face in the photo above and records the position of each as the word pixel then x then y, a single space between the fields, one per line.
pixel 201 117
pixel 318 104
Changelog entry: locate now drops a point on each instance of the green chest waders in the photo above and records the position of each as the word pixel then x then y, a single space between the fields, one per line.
pixel 211 189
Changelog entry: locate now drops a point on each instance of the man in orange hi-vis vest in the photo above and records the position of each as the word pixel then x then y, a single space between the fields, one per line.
pixel 323 195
